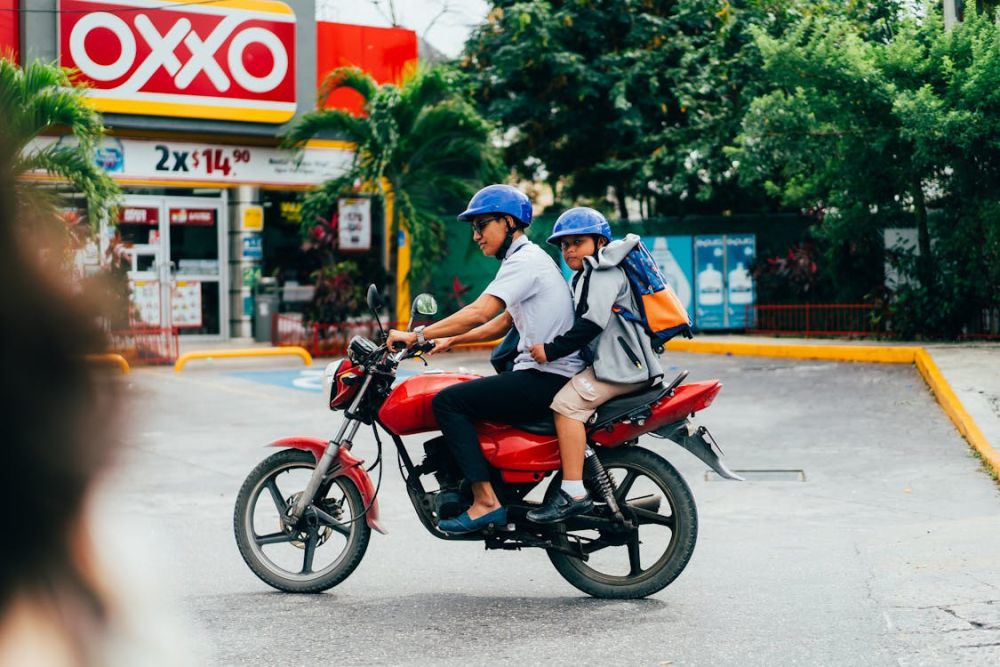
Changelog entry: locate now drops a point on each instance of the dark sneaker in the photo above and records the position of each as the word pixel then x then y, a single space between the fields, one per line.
pixel 561 507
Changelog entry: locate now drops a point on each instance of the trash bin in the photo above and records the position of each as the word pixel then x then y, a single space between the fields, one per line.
pixel 267 299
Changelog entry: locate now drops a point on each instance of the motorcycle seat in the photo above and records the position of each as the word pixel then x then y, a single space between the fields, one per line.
pixel 544 426
pixel 619 407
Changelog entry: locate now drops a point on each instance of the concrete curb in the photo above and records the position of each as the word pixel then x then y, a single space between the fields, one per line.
pixel 915 355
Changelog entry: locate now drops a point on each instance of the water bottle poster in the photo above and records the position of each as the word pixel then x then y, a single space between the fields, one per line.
pixel 710 265
pixel 740 252
pixel 674 258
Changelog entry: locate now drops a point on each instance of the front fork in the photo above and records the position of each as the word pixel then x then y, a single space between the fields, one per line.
pixel 344 439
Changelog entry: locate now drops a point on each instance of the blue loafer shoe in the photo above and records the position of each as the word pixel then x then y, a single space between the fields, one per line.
pixel 463 524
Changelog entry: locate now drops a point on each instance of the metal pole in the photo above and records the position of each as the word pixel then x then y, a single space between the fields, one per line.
pixel 950 14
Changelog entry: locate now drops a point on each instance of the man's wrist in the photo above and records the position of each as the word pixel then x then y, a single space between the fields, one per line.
pixel 419 331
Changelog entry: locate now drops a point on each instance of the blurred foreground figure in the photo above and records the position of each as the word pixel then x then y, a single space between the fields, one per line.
pixel 58 439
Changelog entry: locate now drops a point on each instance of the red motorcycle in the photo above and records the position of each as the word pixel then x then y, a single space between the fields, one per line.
pixel 305 514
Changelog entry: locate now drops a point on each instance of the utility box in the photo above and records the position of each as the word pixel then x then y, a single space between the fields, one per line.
pixel 267 299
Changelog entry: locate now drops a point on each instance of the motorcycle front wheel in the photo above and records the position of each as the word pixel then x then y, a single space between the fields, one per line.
pixel 319 553
pixel 633 563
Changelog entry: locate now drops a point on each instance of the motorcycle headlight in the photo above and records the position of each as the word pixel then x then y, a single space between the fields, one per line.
pixel 360 348
pixel 330 378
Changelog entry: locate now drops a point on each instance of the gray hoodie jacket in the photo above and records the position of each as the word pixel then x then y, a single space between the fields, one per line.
pixel 622 352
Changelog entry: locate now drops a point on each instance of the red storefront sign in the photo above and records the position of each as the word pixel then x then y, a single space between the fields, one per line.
pixel 10 42
pixel 139 215
pixel 384 53
pixel 232 60
pixel 192 216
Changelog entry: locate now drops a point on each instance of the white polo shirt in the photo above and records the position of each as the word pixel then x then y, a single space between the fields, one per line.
pixel 539 301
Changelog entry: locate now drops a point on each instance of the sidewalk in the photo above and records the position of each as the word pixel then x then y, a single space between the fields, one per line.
pixel 972 369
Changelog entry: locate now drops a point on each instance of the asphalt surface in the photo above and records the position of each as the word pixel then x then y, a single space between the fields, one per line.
pixel 887 553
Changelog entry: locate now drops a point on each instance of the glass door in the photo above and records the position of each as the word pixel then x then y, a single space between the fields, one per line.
pixel 139 221
pixel 195 241
pixel 177 250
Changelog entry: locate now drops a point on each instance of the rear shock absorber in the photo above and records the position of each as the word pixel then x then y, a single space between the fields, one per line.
pixel 600 476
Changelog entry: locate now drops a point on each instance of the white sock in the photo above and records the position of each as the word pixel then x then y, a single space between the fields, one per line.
pixel 574 488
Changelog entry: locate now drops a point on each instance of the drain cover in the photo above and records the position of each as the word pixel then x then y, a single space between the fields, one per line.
pixel 761 475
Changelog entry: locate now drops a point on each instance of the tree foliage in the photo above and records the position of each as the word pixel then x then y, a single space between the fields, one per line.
pixel 640 96
pixel 39 98
pixel 894 132
pixel 421 139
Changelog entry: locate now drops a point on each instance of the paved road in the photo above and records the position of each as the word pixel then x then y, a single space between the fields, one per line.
pixel 888 552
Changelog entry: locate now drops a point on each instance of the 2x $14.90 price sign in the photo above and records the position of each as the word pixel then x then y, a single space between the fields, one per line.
pixel 207 160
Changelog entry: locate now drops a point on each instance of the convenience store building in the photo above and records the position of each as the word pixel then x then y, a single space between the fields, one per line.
pixel 196 96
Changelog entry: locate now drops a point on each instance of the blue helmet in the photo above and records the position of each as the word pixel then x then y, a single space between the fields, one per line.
pixel 499 199
pixel 580 221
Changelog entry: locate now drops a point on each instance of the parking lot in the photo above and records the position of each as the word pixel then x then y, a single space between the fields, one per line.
pixel 867 534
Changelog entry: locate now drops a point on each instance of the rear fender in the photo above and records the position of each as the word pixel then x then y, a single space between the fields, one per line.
pixel 349 467
pixel 700 443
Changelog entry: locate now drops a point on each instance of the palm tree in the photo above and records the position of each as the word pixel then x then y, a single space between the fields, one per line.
pixel 421 139
pixel 43 97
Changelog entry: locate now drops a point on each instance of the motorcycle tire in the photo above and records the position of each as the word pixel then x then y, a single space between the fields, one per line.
pixel 268 571
pixel 684 531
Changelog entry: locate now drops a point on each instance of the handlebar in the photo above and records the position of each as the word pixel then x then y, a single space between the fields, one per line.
pixel 398 355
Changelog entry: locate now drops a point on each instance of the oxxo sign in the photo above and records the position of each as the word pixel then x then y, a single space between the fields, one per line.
pixel 226 60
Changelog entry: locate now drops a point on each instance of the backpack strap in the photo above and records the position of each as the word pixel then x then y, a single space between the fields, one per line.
pixel 581 307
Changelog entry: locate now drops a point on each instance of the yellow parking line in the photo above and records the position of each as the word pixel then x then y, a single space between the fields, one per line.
pixel 291 350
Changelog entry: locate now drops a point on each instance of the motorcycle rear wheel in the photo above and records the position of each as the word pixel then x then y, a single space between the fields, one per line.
pixel 259 505
pixel 669 532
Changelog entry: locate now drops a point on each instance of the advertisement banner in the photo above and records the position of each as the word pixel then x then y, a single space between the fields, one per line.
pixel 355 224
pixel 189 162
pixel 146 301
pixel 185 304
pixel 253 247
pixel 232 60
pixel 740 253
pixel 710 263
pixel 139 215
pixel 192 216
pixel 673 256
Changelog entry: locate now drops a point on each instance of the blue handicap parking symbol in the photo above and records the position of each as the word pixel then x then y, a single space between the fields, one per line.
pixel 310 380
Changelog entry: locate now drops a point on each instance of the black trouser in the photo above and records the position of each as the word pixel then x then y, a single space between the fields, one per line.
pixel 520 396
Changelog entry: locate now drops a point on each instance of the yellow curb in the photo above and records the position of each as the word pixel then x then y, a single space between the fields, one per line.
pixel 110 358
pixel 952 407
pixel 289 351
pixel 864 353
pixel 918 356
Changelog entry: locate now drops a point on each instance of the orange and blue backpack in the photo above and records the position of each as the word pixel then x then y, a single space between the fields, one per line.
pixel 661 314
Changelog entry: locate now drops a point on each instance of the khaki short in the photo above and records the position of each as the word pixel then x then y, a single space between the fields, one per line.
pixel 584 393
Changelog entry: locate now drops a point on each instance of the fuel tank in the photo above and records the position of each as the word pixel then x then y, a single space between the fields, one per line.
pixel 408 408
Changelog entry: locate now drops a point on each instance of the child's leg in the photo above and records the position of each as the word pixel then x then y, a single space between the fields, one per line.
pixel 572 443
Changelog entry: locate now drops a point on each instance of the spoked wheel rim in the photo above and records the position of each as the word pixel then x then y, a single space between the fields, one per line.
pixel 624 557
pixel 314 550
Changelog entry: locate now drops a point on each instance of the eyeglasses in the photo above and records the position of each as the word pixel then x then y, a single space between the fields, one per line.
pixel 479 225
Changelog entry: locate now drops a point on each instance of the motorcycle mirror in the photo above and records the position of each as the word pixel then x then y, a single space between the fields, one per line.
pixel 374 301
pixel 425 304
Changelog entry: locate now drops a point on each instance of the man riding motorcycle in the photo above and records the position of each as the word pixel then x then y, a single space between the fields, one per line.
pixel 528 293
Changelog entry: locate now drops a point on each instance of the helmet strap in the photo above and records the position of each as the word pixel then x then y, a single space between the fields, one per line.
pixel 597 244
pixel 508 239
